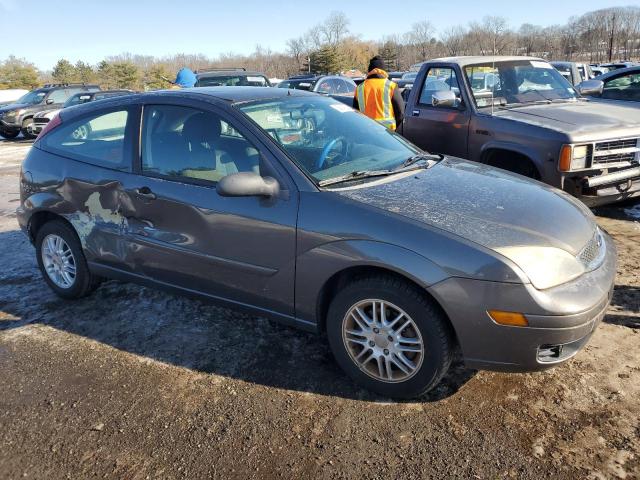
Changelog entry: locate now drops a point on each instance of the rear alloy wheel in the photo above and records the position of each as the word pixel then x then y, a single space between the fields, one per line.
pixel 389 336
pixel 62 262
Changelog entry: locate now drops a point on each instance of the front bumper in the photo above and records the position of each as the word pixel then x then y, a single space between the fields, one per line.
pixel 561 319
pixel 10 125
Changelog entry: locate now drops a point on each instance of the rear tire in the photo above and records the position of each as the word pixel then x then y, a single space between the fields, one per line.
pixel 9 135
pixel 426 341
pixel 62 261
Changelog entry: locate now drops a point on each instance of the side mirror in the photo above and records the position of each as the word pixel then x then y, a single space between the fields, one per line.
pixel 247 184
pixel 444 98
pixel 49 101
pixel 591 88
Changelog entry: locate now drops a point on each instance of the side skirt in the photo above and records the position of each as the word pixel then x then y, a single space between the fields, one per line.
pixel 116 274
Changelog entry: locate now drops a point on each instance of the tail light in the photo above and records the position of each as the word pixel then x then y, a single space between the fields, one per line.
pixel 53 123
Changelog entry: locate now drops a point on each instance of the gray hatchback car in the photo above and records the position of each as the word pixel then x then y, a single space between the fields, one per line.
pixel 294 206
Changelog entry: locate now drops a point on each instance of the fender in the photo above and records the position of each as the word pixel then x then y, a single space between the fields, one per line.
pixel 525 150
pixel 316 266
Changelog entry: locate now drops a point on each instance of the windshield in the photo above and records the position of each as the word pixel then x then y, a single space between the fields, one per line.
pixel 328 139
pixel 233 81
pixel 32 98
pixel 296 84
pixel 77 100
pixel 517 83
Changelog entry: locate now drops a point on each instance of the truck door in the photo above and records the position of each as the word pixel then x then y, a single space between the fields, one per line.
pixel 438 129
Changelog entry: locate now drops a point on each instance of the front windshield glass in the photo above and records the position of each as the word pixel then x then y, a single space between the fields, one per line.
pixel 234 81
pixel 517 83
pixel 32 98
pixel 328 139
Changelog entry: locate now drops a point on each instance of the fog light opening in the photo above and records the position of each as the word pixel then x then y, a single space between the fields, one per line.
pixel 549 353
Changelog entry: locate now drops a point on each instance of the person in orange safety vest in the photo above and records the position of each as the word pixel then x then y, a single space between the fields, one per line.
pixel 378 97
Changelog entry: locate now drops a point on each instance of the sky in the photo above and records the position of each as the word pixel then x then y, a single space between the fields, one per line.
pixel 45 31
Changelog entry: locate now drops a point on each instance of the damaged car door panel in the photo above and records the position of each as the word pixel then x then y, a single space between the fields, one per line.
pixel 287 205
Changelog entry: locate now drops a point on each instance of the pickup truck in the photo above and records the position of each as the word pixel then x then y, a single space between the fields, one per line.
pixel 520 114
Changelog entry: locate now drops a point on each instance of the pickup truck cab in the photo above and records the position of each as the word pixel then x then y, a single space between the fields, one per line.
pixel 520 114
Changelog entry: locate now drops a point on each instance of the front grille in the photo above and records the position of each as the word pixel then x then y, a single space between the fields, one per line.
pixel 40 120
pixel 592 254
pixel 621 153
pixel 617 144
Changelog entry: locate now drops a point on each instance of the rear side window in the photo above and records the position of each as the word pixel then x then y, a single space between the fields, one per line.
pixel 98 140
pixel 58 96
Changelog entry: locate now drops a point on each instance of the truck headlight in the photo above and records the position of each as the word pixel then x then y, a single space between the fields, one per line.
pixel 545 267
pixel 573 157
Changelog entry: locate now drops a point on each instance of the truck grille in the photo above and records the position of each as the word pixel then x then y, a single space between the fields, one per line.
pixel 621 153
pixel 40 120
pixel 592 254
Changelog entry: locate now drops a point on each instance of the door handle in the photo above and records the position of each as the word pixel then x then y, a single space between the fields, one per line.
pixel 145 192
pixel 416 113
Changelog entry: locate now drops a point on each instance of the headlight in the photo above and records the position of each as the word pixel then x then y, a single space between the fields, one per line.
pixel 546 267
pixel 573 157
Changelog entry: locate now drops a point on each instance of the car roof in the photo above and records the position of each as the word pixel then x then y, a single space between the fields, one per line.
pixel 619 71
pixel 563 63
pixel 475 59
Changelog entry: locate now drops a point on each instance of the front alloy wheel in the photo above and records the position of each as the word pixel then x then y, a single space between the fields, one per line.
pixel 389 336
pixel 383 340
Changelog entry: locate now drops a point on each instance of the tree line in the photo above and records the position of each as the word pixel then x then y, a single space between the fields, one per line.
pixel 608 34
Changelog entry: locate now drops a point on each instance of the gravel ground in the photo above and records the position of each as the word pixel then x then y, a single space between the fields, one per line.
pixel 134 383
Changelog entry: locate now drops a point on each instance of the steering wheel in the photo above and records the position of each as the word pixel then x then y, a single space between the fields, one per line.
pixel 327 149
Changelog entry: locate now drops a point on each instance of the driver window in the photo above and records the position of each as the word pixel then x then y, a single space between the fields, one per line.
pixel 185 143
pixel 438 79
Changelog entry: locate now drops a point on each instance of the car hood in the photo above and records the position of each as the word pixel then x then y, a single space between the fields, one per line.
pixel 13 106
pixel 579 119
pixel 488 206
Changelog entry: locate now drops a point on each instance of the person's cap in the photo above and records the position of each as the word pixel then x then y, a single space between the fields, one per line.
pixel 377 62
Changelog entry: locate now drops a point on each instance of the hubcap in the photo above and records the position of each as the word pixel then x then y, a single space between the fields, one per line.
pixel 382 340
pixel 58 261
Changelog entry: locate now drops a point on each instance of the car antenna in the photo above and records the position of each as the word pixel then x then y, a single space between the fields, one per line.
pixel 493 68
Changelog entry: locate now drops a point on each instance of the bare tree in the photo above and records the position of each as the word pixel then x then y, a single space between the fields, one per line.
pixel 335 28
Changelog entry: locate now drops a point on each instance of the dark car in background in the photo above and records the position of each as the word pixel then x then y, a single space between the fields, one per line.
pixel 621 84
pixel 290 205
pixel 17 117
pixel 43 117
pixel 325 84
pixel 235 77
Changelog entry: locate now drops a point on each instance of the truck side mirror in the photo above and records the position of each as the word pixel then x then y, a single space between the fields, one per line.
pixel 591 88
pixel 444 98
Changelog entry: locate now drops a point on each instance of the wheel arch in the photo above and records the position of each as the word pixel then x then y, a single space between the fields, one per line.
pixel 502 156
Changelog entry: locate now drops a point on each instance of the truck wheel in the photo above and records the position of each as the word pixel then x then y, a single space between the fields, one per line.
pixel 9 135
pixel 389 337
pixel 26 131
pixel 62 262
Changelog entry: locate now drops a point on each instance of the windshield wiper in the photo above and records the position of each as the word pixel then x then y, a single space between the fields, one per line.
pixel 355 175
pixel 416 158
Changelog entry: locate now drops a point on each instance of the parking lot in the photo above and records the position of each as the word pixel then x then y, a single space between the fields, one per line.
pixel 136 383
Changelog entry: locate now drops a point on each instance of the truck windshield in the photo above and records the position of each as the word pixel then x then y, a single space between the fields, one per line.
pixel 517 83
pixel 328 139
pixel 32 98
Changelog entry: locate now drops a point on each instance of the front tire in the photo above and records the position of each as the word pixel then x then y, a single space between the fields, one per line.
pixel 62 261
pixel 389 337
pixel 26 131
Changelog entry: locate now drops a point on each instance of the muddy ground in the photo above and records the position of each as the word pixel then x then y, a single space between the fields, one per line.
pixel 134 383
